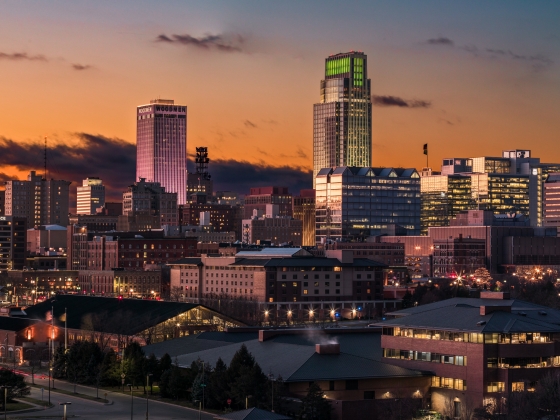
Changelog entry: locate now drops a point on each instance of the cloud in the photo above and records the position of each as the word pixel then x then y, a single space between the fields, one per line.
pixel 380 100
pixel 301 153
pixel 250 124
pixel 440 41
pixel 75 158
pixel 219 42
pixel 22 57
pixel 536 61
pixel 83 155
pixel 80 67
pixel 239 176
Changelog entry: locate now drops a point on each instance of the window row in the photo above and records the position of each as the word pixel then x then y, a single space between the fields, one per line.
pixel 425 356
pixel 450 383
pixel 522 362
pixel 479 338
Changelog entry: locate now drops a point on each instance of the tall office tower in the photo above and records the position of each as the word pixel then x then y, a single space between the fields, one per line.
pixel 90 196
pixel 342 119
pixel 40 201
pixel 161 145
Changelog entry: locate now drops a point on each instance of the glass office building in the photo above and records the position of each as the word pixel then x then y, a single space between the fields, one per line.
pixel 443 197
pixel 161 146
pixel 342 118
pixel 353 203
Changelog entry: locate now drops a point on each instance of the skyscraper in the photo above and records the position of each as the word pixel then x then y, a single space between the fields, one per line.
pixel 90 196
pixel 161 145
pixel 342 119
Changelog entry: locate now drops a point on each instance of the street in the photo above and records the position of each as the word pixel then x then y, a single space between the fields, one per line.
pixel 119 410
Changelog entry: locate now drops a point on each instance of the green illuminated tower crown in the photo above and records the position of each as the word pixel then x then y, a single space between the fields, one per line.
pixel 342 118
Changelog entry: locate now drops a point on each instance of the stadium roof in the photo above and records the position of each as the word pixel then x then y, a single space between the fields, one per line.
pixel 110 315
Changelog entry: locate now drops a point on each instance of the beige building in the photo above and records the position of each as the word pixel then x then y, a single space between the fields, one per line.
pixel 90 196
pixel 44 238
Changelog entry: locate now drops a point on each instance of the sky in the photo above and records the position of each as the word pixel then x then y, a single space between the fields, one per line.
pixel 470 78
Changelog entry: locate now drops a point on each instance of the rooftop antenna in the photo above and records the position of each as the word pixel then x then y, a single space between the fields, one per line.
pixel 45 158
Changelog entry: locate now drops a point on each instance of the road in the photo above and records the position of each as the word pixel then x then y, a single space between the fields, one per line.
pixel 119 410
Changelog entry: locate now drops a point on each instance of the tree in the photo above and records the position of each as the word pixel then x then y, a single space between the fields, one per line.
pixel 133 363
pixel 217 386
pixel 18 387
pixel 482 277
pixel 245 377
pixel 59 363
pixel 172 384
pixel 315 406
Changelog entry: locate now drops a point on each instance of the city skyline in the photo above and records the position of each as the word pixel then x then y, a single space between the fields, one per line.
pixel 462 78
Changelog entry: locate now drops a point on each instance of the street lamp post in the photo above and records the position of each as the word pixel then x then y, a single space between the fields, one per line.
pixel 5 399
pixel 147 399
pixel 64 404
pixel 131 400
pixel 271 376
pixel 50 370
pixel 199 407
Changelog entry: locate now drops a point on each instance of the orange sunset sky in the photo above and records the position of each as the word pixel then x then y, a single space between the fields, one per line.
pixel 249 73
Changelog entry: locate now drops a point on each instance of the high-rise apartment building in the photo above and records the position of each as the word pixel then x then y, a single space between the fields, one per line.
pixel 161 145
pixel 12 243
pixel 355 203
pixel 90 196
pixel 342 118
pixel 40 201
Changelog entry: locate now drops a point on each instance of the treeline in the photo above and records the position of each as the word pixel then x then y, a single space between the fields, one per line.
pixel 219 387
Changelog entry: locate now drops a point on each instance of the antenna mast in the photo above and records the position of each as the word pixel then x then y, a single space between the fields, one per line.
pixel 45 158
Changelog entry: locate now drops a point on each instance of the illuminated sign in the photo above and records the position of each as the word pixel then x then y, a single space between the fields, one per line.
pixel 145 109
pixel 2 217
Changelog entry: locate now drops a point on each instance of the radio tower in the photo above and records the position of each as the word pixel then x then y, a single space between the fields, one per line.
pixel 45 158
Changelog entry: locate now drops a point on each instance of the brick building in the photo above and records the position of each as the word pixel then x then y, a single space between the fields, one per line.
pixel 259 197
pixel 479 350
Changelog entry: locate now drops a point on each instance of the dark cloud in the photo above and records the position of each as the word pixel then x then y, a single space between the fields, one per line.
pixel 231 175
pixel 76 158
pixel 84 155
pixel 250 124
pixel 22 57
pixel 80 67
pixel 220 42
pixel 440 41
pixel 381 100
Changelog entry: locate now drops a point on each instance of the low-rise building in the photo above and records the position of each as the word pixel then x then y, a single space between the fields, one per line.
pixel 285 276
pixel 479 350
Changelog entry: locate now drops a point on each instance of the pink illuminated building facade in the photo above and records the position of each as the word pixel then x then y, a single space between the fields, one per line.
pixel 161 145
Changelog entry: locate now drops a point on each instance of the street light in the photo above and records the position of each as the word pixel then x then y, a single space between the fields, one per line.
pixel 64 404
pixel 147 385
pixel 131 400
pixel 199 407
pixel 5 398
